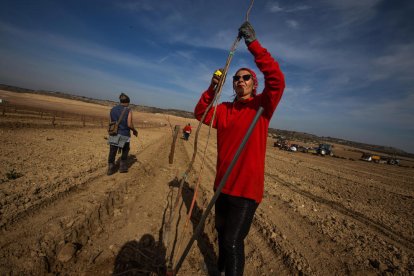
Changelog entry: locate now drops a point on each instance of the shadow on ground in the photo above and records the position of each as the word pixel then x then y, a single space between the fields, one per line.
pixel 203 241
pixel 132 159
pixel 143 257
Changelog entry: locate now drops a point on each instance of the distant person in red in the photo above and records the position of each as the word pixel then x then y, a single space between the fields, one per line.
pixel 121 141
pixel 243 191
pixel 187 132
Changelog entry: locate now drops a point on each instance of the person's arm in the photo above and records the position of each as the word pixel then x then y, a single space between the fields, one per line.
pixel 131 123
pixel 110 117
pixel 206 98
pixel 273 76
pixel 274 79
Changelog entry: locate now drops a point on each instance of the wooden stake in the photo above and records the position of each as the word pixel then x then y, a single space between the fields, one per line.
pixel 176 130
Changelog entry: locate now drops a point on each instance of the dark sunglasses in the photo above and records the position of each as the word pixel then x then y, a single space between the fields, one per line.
pixel 245 77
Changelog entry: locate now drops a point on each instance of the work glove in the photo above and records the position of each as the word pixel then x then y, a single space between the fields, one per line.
pixel 246 31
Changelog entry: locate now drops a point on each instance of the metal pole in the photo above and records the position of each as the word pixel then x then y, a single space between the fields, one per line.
pixel 219 188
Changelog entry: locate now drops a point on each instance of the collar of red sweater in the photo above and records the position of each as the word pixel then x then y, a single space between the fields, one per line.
pixel 244 100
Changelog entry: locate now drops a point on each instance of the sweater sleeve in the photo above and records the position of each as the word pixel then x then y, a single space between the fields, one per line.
pixel 273 76
pixel 206 98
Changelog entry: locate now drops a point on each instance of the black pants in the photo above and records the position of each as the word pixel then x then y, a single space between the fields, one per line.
pixel 114 149
pixel 234 216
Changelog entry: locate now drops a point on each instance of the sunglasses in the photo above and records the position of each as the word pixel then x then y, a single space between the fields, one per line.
pixel 245 77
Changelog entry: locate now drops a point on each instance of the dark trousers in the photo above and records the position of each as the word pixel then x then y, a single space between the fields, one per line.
pixel 234 216
pixel 114 149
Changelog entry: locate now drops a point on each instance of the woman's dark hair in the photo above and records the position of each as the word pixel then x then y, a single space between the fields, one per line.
pixel 124 98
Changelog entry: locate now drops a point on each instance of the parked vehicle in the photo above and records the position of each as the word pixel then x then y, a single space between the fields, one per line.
pixel 282 144
pixel 325 149
pixel 293 148
pixel 376 158
pixel 312 150
pixel 393 161
pixel 380 159
pixel 366 157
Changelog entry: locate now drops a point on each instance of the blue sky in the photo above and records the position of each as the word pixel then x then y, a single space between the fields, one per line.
pixel 349 65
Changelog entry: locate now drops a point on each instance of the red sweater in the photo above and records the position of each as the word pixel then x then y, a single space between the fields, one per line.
pixel 187 129
pixel 232 121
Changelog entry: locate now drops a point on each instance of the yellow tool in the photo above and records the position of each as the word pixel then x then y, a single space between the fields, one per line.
pixel 218 73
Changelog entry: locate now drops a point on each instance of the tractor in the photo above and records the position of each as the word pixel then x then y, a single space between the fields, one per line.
pixel 325 149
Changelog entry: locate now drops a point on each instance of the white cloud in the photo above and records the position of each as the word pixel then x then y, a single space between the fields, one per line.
pixel 391 112
pixel 399 62
pixel 351 12
pixel 292 24
pixel 351 5
pixel 274 7
pixel 300 8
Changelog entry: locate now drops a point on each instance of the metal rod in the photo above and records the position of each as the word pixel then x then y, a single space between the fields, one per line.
pixel 219 188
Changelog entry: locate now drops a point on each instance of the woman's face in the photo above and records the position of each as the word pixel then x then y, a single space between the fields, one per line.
pixel 243 84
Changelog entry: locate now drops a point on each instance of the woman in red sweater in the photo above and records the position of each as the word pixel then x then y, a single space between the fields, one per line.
pixel 187 131
pixel 243 191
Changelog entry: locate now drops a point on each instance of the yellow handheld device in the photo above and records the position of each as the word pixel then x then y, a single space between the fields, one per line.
pixel 218 73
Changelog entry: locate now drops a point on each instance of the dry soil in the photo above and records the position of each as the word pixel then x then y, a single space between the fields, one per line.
pixel 61 214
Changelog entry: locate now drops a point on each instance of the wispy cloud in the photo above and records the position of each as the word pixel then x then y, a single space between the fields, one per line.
pixel 351 12
pixel 292 24
pixel 395 112
pixel 346 63
pixel 76 48
pixel 399 62
pixel 275 7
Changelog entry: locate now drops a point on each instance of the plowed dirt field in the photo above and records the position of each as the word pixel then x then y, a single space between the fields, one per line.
pixel 61 214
